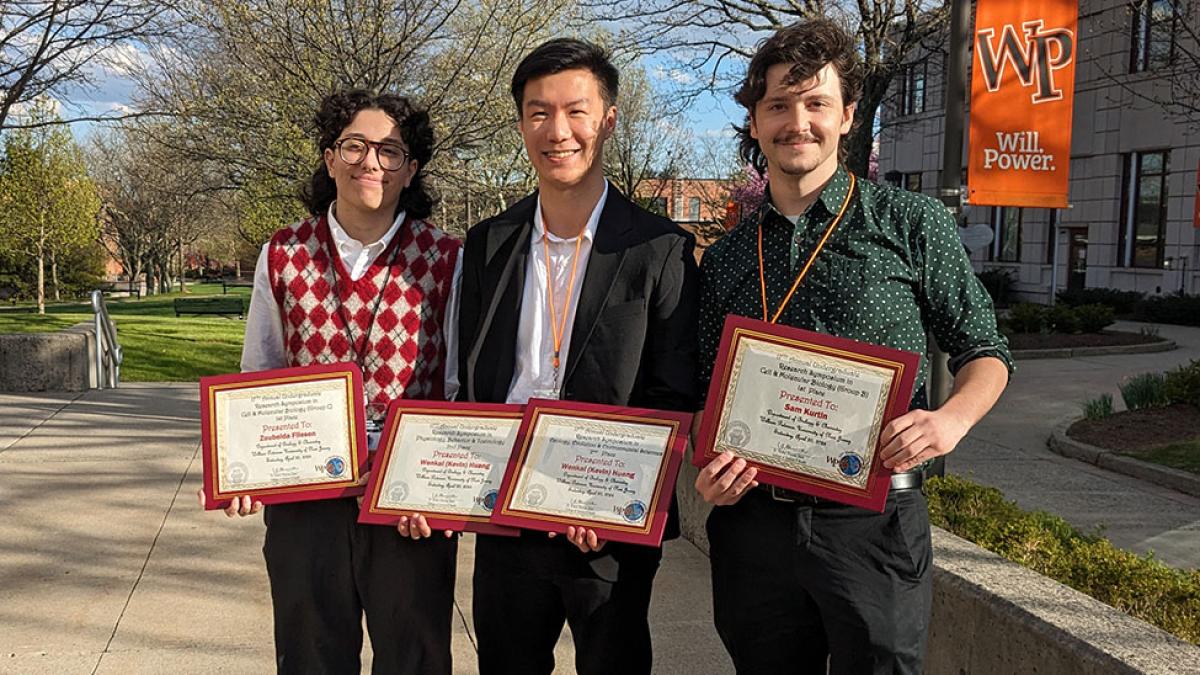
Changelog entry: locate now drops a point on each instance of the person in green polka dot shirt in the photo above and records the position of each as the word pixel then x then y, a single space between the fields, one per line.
pixel 800 582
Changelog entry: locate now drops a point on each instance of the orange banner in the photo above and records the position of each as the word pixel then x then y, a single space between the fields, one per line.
pixel 1022 95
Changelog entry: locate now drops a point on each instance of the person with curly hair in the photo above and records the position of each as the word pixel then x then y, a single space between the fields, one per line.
pixel 364 279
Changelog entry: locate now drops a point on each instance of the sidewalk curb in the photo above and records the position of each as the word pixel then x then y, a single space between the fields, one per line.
pixel 1066 446
pixel 1079 352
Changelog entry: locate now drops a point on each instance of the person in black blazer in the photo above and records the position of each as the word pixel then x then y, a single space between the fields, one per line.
pixel 580 272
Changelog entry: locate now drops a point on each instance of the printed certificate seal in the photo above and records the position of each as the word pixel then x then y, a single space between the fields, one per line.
pixel 535 495
pixel 737 434
pixel 397 491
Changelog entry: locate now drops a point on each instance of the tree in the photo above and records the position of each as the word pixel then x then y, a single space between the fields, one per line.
pixel 47 48
pixel 706 41
pixel 48 204
pixel 650 143
pixel 154 206
pixel 245 76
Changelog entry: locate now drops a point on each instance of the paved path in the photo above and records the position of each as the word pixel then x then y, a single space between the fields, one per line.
pixel 108 566
pixel 1008 451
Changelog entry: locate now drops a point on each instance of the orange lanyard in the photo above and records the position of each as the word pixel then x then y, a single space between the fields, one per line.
pixel 557 328
pixel 762 277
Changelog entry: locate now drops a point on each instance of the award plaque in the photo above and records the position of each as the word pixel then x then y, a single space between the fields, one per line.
pixel 805 408
pixel 286 435
pixel 607 468
pixel 444 461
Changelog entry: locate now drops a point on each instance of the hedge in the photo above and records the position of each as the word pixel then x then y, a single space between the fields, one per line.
pixel 1137 585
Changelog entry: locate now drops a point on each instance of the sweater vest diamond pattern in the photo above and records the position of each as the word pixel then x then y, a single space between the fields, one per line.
pixel 403 354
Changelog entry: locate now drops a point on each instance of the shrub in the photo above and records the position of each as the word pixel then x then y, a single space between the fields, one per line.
pixel 1140 586
pixel 1183 310
pixel 1094 318
pixel 1182 385
pixel 1122 302
pixel 1027 317
pixel 1147 390
pixel 1062 319
pixel 1098 408
pixel 999 285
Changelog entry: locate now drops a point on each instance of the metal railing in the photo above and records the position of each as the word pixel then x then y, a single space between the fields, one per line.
pixel 108 352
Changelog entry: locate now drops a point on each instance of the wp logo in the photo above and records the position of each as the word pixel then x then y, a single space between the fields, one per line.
pixel 1034 55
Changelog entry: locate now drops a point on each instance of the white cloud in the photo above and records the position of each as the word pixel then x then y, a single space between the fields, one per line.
pixel 676 75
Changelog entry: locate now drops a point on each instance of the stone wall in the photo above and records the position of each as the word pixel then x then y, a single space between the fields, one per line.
pixel 62 361
pixel 994 617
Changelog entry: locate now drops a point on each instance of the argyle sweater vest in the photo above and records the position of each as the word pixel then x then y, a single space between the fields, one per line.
pixel 328 318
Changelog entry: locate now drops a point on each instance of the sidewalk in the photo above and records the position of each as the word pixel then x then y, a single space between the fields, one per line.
pixel 108 566
pixel 1007 450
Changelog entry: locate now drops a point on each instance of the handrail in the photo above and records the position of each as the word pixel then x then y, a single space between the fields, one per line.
pixel 108 352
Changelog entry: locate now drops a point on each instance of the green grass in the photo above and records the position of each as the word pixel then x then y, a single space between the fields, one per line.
pixel 1184 456
pixel 158 346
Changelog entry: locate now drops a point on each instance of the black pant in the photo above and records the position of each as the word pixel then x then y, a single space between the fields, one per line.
pixel 525 587
pixel 797 585
pixel 326 570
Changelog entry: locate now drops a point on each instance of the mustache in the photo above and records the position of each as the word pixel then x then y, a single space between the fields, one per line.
pixel 788 139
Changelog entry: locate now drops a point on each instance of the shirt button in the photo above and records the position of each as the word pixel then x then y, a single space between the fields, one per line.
pixel 798 239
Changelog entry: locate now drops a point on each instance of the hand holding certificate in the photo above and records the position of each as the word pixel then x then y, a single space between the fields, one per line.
pixel 443 461
pixel 605 468
pixel 286 435
pixel 805 409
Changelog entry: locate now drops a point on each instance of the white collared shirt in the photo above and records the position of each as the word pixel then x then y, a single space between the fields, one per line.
pixel 533 374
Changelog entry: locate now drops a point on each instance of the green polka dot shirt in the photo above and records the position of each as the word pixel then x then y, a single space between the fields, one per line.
pixel 893 269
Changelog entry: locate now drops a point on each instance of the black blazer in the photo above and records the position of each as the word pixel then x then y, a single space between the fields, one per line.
pixel 633 340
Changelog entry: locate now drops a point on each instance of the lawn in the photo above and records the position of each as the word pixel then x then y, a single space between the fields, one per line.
pixel 1184 456
pixel 158 346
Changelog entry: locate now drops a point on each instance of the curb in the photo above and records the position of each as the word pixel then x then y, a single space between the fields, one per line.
pixel 1182 481
pixel 1078 352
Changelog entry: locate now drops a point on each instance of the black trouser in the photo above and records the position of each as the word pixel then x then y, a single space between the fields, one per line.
pixel 525 587
pixel 796 584
pixel 326 571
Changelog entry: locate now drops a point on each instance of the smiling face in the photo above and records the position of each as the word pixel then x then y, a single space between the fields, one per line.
pixel 798 126
pixel 564 123
pixel 366 186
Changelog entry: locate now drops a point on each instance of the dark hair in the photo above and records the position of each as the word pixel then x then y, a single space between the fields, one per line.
pixel 555 56
pixel 336 113
pixel 807 46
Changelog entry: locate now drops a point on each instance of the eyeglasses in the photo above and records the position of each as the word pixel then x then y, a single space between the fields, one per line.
pixel 391 157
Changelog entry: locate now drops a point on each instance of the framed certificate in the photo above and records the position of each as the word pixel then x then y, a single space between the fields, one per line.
pixel 608 468
pixel 444 461
pixel 287 435
pixel 806 408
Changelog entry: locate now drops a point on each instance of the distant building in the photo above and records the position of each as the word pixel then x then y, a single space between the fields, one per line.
pixel 700 205
pixel 1133 181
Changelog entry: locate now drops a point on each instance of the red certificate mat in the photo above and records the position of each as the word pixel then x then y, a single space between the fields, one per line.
pixel 286 435
pixel 608 468
pixel 458 461
pixel 806 409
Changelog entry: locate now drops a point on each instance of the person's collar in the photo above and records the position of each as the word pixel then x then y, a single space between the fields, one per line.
pixel 830 199
pixel 589 231
pixel 342 239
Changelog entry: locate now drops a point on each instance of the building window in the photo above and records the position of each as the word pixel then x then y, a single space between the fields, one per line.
pixel 1006 221
pixel 694 209
pixel 1153 38
pixel 1143 209
pixel 912 181
pixel 657 205
pixel 912 89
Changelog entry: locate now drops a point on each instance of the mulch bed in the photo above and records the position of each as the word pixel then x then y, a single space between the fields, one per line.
pixel 1062 340
pixel 1140 429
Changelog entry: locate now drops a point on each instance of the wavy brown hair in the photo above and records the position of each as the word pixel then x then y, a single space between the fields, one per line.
pixel 807 46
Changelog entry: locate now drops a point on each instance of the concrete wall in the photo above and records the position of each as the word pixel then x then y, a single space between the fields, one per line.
pixel 994 617
pixel 62 361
